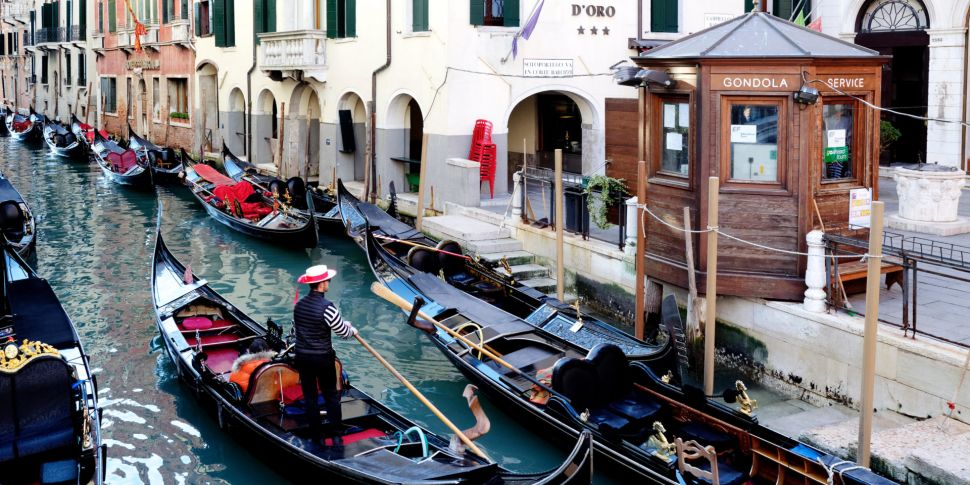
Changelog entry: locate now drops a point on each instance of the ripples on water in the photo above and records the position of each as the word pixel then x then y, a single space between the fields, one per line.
pixel 95 244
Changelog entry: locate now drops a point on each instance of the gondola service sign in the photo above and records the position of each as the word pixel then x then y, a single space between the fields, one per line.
pixel 860 207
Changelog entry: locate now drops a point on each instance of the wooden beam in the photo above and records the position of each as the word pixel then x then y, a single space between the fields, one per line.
pixel 560 223
pixel 422 183
pixel 870 337
pixel 713 189
pixel 641 261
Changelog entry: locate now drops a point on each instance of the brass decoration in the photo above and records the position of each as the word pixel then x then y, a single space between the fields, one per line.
pixel 663 449
pixel 26 352
pixel 747 404
pixel 505 265
pixel 579 314
pixel 667 377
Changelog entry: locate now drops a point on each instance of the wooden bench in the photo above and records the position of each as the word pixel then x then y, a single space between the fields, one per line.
pixel 857 270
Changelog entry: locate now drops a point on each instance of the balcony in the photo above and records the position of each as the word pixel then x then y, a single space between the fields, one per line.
pixel 181 30
pixel 295 54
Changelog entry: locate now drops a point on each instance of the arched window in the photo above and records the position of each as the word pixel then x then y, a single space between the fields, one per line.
pixel 894 16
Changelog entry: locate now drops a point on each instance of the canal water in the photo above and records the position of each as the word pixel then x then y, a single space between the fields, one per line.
pixel 95 242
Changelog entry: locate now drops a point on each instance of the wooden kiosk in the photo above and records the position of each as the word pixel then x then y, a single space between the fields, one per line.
pixel 734 110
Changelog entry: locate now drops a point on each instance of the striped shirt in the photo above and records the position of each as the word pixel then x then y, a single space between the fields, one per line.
pixel 314 318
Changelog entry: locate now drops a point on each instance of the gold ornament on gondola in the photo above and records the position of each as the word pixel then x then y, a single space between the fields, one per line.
pixel 15 357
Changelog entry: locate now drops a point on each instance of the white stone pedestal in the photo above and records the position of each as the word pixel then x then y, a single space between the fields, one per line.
pixel 928 202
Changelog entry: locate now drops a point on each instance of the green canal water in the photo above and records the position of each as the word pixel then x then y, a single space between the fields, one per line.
pixel 95 243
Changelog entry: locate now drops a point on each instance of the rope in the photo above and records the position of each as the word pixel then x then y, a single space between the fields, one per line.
pixel 716 229
pixel 831 470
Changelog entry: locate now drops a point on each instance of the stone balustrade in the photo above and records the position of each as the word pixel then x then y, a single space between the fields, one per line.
pixel 296 50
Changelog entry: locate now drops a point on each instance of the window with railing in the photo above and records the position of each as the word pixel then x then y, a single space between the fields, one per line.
pixel 494 12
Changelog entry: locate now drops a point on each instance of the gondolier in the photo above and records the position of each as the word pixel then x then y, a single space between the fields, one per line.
pixel 315 318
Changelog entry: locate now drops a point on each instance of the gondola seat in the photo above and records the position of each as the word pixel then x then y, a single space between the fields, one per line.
pixel 616 390
pixel 424 260
pixel 122 162
pixel 576 379
pixel 12 220
pixel 37 404
pixel 267 381
pixel 703 433
pixel 21 126
pixel 196 323
pixel 59 472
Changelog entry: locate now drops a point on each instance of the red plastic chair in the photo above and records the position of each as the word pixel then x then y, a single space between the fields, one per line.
pixel 487 168
pixel 481 136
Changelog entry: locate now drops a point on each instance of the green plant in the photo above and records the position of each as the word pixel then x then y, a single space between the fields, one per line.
pixel 888 134
pixel 178 115
pixel 602 193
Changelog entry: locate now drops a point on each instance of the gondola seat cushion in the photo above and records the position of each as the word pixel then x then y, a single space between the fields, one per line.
pixel 707 436
pixel 59 472
pixel 21 126
pixel 197 323
pixel 42 419
pixel 616 385
pixel 726 474
pixel 575 379
pixel 12 220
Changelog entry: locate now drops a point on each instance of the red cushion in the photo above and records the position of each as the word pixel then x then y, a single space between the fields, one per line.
pixel 360 435
pixel 292 394
pixel 196 323
pixel 221 323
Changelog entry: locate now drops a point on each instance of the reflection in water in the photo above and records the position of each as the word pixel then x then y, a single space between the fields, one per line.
pixel 95 245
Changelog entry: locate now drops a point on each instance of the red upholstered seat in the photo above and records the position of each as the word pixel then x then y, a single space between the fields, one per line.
pixel 241 191
pixel 292 394
pixel 220 359
pixel 21 125
pixel 196 323
pixel 358 436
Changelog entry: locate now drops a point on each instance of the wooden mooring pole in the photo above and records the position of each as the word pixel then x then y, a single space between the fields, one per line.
pixel 713 189
pixel 560 223
pixel 640 264
pixel 422 183
pixel 870 337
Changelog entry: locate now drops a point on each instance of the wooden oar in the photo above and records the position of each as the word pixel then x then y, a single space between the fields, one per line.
pixel 395 299
pixel 444 419
pixel 419 245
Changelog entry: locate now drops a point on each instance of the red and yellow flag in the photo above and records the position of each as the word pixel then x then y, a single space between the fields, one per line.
pixel 140 29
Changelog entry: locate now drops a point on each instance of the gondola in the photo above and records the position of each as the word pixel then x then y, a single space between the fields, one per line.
pixel 165 163
pixel 238 205
pixel 85 132
pixel 637 419
pixel 413 253
pixel 61 141
pixel 120 165
pixel 263 416
pixel 24 128
pixel 50 426
pixel 17 221
pixel 292 190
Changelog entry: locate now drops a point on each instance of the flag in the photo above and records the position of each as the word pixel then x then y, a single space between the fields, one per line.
pixel 140 29
pixel 527 29
pixel 816 25
pixel 800 19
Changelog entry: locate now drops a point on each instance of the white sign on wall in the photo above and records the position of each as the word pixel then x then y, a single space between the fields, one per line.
pixel 860 207
pixel 712 19
pixel 547 67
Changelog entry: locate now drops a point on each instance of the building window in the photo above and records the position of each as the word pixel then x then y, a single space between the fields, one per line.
pixel 178 97
pixel 419 16
pixel 112 16
pixel 341 19
pixel 109 95
pixel 67 70
pixel 129 98
pixel 663 16
pixel 156 100
pixel 100 17
pixel 82 70
pixel 43 69
pixel 168 10
pixel 494 12
pixel 674 140
pixel 224 22
pixel 789 9
pixel 265 16
pixel 754 154
pixel 839 150
pixel 184 10
pixel 203 26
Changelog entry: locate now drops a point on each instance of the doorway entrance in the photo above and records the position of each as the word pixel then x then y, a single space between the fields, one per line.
pixel 897 28
pixel 559 126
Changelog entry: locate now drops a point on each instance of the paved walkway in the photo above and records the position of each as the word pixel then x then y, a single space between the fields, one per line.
pixel 942 303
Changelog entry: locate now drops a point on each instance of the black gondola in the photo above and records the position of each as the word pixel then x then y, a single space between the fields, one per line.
pixel 238 205
pixel 293 191
pixel 120 165
pixel 50 426
pixel 165 163
pixel 62 141
pixel 369 452
pixel 24 128
pixel 414 253
pixel 629 410
pixel 17 221
pixel 84 132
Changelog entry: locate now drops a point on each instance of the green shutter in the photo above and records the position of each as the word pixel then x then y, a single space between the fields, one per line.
pixel 419 16
pixel 258 12
pixel 663 16
pixel 166 12
pixel 270 24
pixel 229 23
pixel 510 13
pixel 112 17
pixel 198 20
pixel 331 19
pixel 350 7
pixel 782 9
pixel 476 14
pixel 218 22
pixel 82 21
pixel 748 5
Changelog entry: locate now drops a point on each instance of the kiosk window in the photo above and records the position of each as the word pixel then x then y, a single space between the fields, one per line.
pixel 675 138
pixel 754 142
pixel 837 139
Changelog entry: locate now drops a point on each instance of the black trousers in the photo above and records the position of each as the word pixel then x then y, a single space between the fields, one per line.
pixel 320 370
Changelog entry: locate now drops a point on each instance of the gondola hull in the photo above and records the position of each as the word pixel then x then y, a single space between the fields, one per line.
pixel 73 149
pixel 136 176
pixel 21 233
pixel 149 155
pixel 31 133
pixel 298 456
pixel 302 237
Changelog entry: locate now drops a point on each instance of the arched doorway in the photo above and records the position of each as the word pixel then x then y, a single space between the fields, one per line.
pixel 303 134
pixel 546 121
pixel 266 149
pixel 235 132
pixel 351 133
pixel 209 107
pixel 403 135
pixel 897 28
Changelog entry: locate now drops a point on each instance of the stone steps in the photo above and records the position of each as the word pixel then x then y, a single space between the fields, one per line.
pixel 526 271
pixel 513 257
pixel 543 284
pixel 461 228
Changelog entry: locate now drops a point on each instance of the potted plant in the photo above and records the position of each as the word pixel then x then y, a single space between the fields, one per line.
pixel 177 115
pixel 602 192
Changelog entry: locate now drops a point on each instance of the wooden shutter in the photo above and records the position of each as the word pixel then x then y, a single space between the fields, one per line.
pixel 782 9
pixel 510 13
pixel 419 15
pixel 476 14
pixel 748 5
pixel 198 19
pixel 112 17
pixel 270 24
pixel 218 22
pixel 331 19
pixel 166 13
pixel 82 21
pixel 258 12
pixel 350 9
pixel 68 24
pixel 229 23
pixel 663 15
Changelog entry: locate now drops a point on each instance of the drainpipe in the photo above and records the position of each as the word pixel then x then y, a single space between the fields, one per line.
pixel 639 22
pixel 371 190
pixel 963 113
pixel 249 107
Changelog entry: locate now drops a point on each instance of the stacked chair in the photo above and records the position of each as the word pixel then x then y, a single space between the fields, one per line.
pixel 483 152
